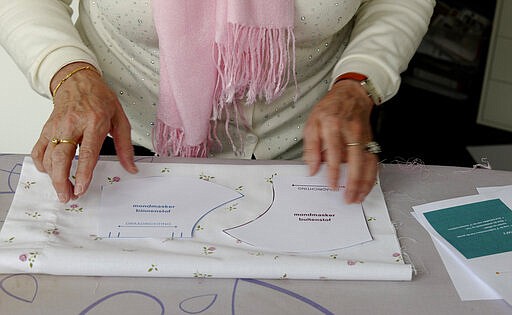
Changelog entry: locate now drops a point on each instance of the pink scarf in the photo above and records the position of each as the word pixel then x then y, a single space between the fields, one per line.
pixel 213 55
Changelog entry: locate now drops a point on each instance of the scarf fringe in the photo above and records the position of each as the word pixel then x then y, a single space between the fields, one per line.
pixel 168 141
pixel 253 63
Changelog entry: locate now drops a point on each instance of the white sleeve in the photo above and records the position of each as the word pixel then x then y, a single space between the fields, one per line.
pixel 385 37
pixel 41 39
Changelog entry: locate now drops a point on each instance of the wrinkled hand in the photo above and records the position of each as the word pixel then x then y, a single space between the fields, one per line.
pixel 85 111
pixel 342 117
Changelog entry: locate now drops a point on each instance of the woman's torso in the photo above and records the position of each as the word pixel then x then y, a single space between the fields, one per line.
pixel 125 42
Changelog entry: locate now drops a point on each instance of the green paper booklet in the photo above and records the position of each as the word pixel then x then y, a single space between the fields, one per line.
pixel 475 229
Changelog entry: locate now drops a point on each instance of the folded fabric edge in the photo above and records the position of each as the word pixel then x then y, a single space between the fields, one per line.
pixel 58 261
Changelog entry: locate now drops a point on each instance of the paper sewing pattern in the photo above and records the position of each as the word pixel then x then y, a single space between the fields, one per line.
pixel 159 207
pixel 41 235
pixel 305 216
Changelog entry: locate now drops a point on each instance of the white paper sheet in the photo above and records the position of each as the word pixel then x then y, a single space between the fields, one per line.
pixel 495 270
pixel 468 285
pixel 159 207
pixel 41 235
pixel 502 192
pixel 306 209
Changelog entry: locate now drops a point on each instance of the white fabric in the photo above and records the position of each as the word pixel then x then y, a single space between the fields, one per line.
pixel 40 235
pixel 121 40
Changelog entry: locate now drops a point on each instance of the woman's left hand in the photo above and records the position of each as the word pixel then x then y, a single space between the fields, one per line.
pixel 336 132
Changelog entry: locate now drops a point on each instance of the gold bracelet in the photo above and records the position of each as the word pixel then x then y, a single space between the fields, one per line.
pixel 69 76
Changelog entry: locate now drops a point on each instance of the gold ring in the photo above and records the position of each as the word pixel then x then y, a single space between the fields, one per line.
pixel 371 147
pixel 57 141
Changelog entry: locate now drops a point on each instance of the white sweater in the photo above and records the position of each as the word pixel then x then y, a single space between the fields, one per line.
pixel 374 37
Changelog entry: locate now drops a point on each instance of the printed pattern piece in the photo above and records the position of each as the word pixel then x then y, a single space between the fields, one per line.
pixel 159 207
pixel 305 216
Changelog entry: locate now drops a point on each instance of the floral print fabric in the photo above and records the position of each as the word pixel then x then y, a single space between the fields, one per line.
pixel 41 235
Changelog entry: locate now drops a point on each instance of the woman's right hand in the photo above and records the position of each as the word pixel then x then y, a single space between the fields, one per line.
pixel 85 112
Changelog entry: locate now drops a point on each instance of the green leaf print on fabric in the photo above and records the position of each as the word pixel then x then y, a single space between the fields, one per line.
pixel 75 208
pixel 30 258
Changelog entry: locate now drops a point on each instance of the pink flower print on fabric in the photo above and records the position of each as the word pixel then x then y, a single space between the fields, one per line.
pixel 30 257
pixel 398 257
pixel 54 231
pixel 74 208
pixel 114 179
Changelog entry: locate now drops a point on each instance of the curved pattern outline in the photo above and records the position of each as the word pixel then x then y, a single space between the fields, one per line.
pixel 292 294
pixel 98 302
pixel 197 297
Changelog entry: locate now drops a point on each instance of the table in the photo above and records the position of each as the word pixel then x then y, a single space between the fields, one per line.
pixel 404 185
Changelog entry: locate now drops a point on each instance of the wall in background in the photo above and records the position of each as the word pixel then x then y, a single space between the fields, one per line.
pixel 495 106
pixel 23 111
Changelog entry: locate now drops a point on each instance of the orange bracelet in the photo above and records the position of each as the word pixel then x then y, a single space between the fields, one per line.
pixel 366 84
pixel 351 76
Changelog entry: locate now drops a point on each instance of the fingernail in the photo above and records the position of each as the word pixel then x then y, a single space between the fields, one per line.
pixel 349 197
pixel 79 188
pixel 62 197
pixel 361 197
pixel 132 169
